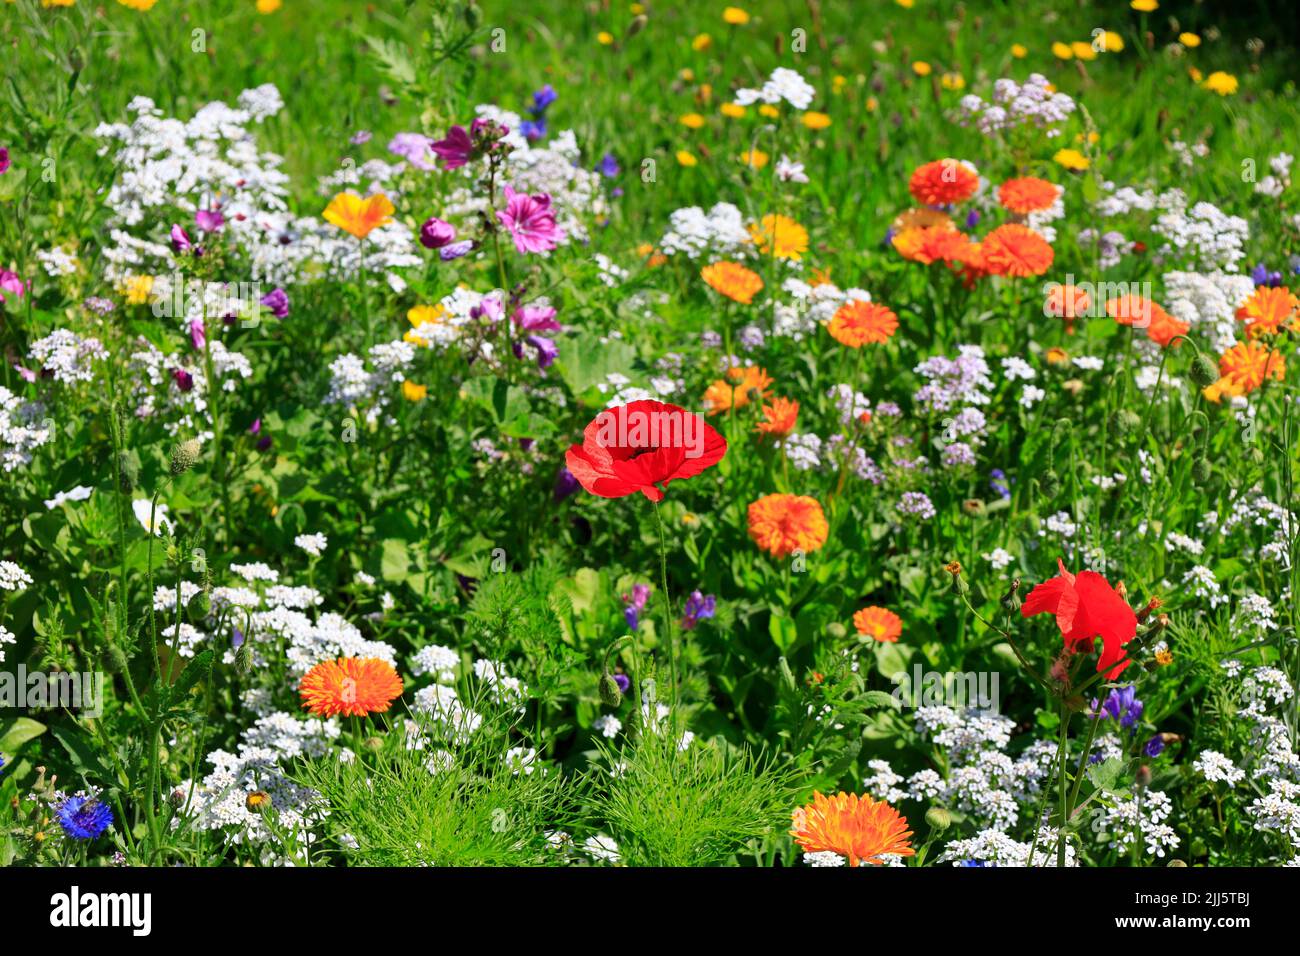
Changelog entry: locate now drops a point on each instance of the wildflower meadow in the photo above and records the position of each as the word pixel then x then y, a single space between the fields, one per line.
pixel 613 435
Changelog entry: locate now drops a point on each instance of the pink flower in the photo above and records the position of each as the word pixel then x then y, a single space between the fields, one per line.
pixel 455 150
pixel 531 221
pixel 12 283
pixel 198 334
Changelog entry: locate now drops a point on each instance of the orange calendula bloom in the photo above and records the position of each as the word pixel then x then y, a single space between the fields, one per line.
pixel 860 828
pixel 350 686
pixel 857 323
pixel 927 244
pixel 1068 302
pixel 738 389
pixel 780 236
pixel 943 182
pixel 359 216
pixel 1028 194
pixel 779 418
pixel 921 218
pixel 1142 313
pixel 732 280
pixel 1244 368
pixel 878 623
pixel 783 524
pixel 1266 310
pixel 1017 251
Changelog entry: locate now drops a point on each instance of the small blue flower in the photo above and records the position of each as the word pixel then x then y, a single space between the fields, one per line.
pixel 608 166
pixel 84 818
pixel 1155 746
pixel 542 100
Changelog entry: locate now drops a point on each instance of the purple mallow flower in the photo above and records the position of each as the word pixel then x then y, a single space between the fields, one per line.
pixel 209 220
pixel 454 149
pixel 184 380
pixel 533 320
pixel 435 233
pixel 277 300
pixel 699 607
pixel 4 160
pixel 455 250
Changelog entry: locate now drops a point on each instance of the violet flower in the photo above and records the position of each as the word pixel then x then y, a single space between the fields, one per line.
pixel 531 221
pixel 455 149
pixel 435 233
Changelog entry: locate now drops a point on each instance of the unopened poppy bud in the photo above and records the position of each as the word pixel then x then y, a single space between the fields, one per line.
pixel 836 630
pixel 1050 483
pixel 1201 470
pixel 176 798
pixel 1204 371
pixel 199 607
pixel 244 658
pixel 1011 600
pixel 938 818
pixel 1127 421
pixel 373 743
pixel 117 657
pixel 1178 863
pixel 610 695
pixel 184 456
pixel 1143 777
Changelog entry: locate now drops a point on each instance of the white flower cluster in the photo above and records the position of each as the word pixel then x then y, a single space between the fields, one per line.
pixel 1204 236
pixel 784 84
pixel 352 384
pixel 67 357
pixel 718 234
pixel 1208 301
pixel 1121 823
pixel 23 429
pixel 157 388
pixel 995 848
pixel 810 306
pixel 1032 103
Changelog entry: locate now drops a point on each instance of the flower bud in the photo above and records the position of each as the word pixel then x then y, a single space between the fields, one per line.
pixel 199 607
pixel 610 695
pixel 184 455
pixel 244 658
pixel 938 818
pixel 959 583
pixel 1143 777
pixel 637 25
pixel 836 630
pixel 1050 484
pixel 1201 470
pixel 1011 600
pixel 257 802
pixel 435 233
pixel 973 507
pixel 1204 371
pixel 1127 421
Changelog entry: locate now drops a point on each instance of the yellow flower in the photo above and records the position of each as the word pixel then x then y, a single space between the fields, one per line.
pixel 754 158
pixel 1071 159
pixel 953 81
pixel 687 75
pixel 636 9
pixel 872 104
pixel 921 68
pixel 734 110
pixel 1018 51
pixel 692 120
pixel 701 42
pixel 413 392
pixel 1189 39
pixel 137 289
pixel 1195 74
pixel 1089 137
pixel 268 6
pixel 686 159
pixel 358 216
pixel 906 4
pixel 604 38
pixel 1225 84
pixel 838 83
pixel 1113 42
pixel 57 3
pixel 815 120
pixel 780 235
pixel 423 315
pixel 735 16
pixel 1083 51
pixel 1062 51
pixel 148 4
pixel 768 110
pixel 1144 6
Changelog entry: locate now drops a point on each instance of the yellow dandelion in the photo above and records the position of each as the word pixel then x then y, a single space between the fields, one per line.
pixel 604 38
pixel 1083 51
pixel 701 42
pixel 1019 51
pixel 691 120
pixel 814 120
pixel 1071 159
pixel 735 16
pixel 734 110
pixel 921 68
pixel 1062 51
pixel 686 159
pixel 1189 40
pixel 754 158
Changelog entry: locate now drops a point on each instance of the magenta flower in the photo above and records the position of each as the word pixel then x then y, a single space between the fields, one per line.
pixel 198 335
pixel 4 159
pixel 455 149
pixel 435 233
pixel 184 380
pixel 414 148
pixel 180 241
pixel 531 221
pixel 12 283
pixel 209 220
pixel 534 319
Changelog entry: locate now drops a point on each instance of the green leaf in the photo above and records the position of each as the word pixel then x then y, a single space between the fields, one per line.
pixel 880 698
pixel 18 732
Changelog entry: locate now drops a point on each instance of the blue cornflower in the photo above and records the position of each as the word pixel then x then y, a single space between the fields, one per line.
pixel 533 130
pixel 84 818
pixel 1120 704
pixel 1155 746
pixel 608 166
pixel 542 100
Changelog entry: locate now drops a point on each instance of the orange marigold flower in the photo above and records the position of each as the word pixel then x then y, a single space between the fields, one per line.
pixel 782 524
pixel 359 216
pixel 1068 302
pixel 1244 368
pixel 737 389
pixel 351 686
pixel 879 623
pixel 1016 250
pixel 733 280
pixel 1164 328
pixel 1266 310
pixel 944 182
pixel 780 236
pixel 779 417
pixel 1143 313
pixel 857 827
pixel 856 323
pixel 970 263
pixel 927 244
pixel 920 218
pixel 1028 194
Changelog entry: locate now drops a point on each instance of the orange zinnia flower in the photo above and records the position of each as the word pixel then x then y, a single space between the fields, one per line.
pixel 780 417
pixel 738 389
pixel 1068 302
pixel 1017 251
pixel 782 524
pixel 359 216
pixel 943 182
pixel 856 323
pixel 1026 195
pixel 879 623
pixel 732 280
pixel 927 244
pixel 1266 310
pixel 857 827
pixel 1243 368
pixel 1143 313
pixel 351 686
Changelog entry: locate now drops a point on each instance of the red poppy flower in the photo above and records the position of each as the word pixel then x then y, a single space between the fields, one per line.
pixel 1086 607
pixel 641 446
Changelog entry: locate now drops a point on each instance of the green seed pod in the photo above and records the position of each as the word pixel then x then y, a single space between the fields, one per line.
pixel 1204 371
pixel 938 818
pixel 117 658
pixel 610 695
pixel 184 455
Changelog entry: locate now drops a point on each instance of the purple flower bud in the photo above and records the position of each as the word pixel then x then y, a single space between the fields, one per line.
pixel 435 233
pixel 184 380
